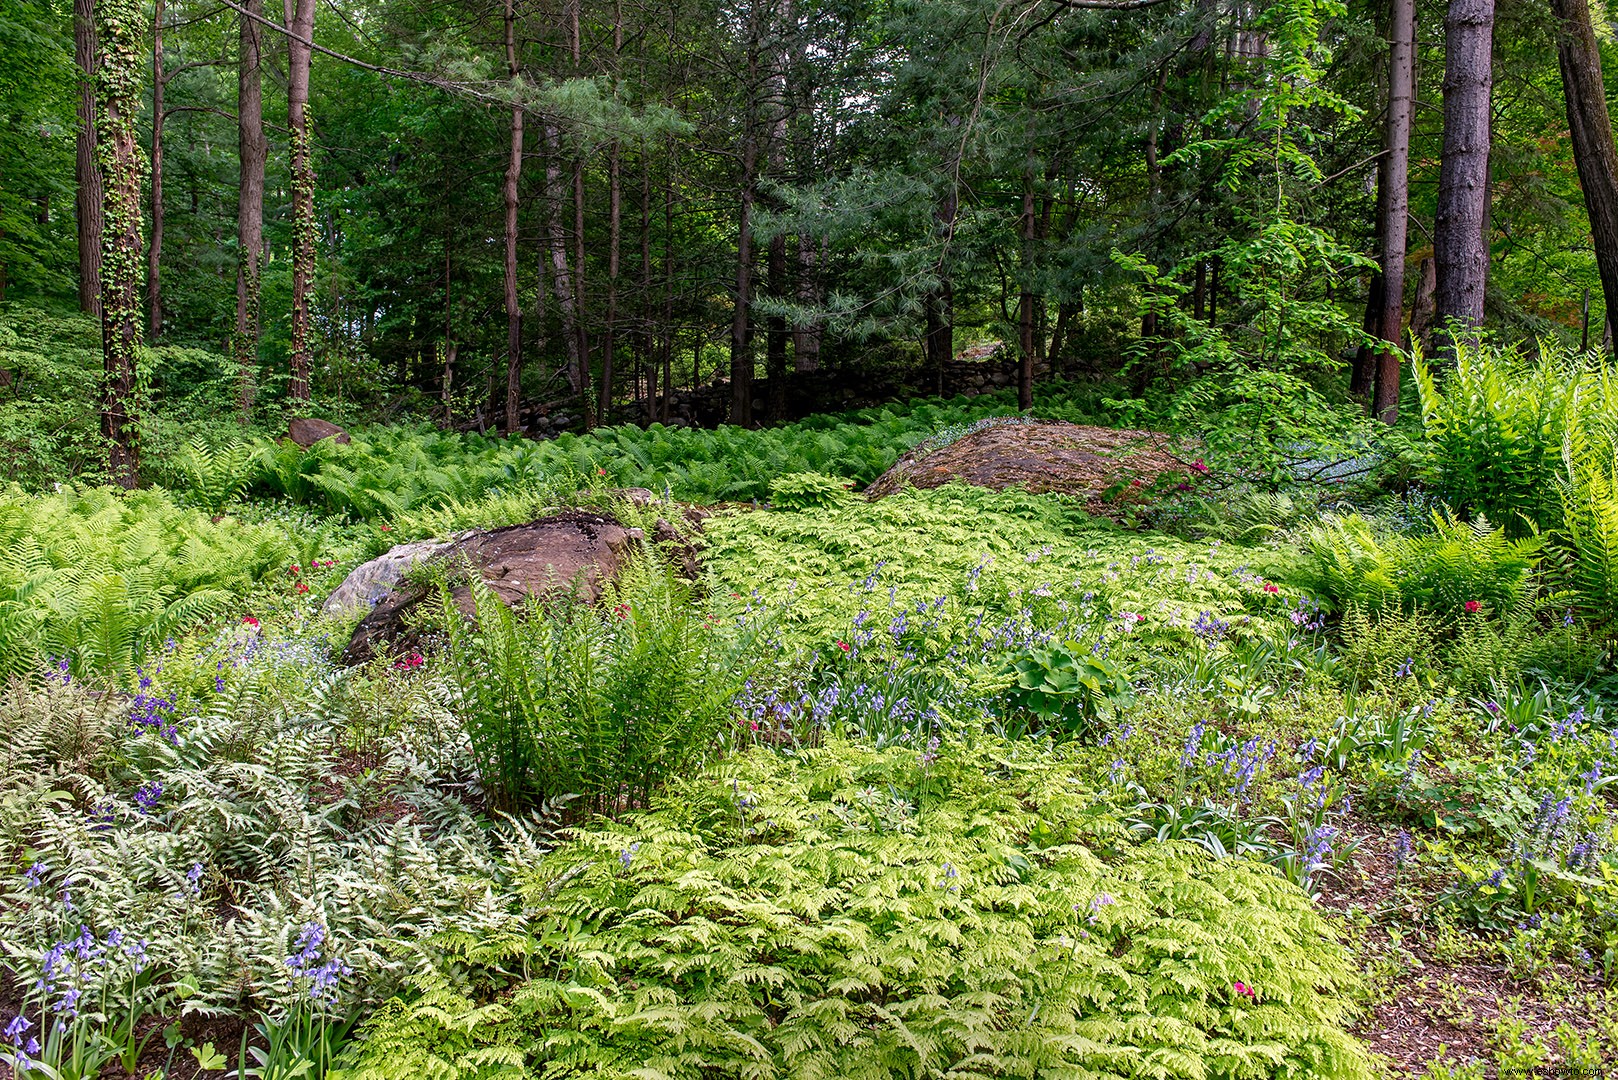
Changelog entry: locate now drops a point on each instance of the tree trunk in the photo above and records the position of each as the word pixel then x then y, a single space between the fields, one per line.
pixel 1025 298
pixel 1423 306
pixel 87 164
pixel 154 254
pixel 1460 250
pixel 562 280
pixel 647 357
pixel 119 30
pixel 741 330
pixel 1593 151
pixel 253 151
pixel 940 343
pixel 1362 380
pixel 806 335
pixel 1394 176
pixel 300 16
pixel 615 203
pixel 510 190
pixel 1064 313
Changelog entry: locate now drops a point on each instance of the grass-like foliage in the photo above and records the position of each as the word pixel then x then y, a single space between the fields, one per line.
pixel 869 914
pixel 603 701
pixel 100 579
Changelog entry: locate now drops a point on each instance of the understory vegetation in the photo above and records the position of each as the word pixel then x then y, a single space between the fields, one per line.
pixel 957 782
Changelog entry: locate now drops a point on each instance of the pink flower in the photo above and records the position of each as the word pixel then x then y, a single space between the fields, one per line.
pixel 409 662
pixel 844 646
pixel 1244 990
pixel 1271 587
pixel 601 472
pixel 1472 607
pixel 385 528
pixel 248 620
pixel 1199 466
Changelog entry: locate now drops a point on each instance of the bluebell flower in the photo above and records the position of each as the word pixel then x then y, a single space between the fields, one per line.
pixel 1402 848
pixel 148 796
pixel 35 876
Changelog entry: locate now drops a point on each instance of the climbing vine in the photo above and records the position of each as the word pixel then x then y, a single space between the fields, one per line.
pixel 303 253
pixel 119 26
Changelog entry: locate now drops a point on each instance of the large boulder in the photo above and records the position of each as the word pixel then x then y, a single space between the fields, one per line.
pixel 368 584
pixel 1099 465
pixel 306 431
pixel 572 552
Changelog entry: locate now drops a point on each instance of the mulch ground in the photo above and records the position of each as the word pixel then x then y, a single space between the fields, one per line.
pixel 1439 1010
pixel 1102 466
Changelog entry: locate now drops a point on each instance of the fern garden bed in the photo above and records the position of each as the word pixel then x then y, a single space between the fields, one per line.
pixel 958 783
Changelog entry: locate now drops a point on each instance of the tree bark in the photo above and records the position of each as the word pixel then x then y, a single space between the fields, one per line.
pixel 1394 177
pixel 1422 308
pixel 647 357
pixel 1593 150
pixel 562 280
pixel 741 329
pixel 87 166
pixel 119 32
pixel 154 254
pixel 1460 250
pixel 300 16
pixel 510 191
pixel 253 151
pixel 1362 380
pixel 806 335
pixel 615 205
pixel 1025 298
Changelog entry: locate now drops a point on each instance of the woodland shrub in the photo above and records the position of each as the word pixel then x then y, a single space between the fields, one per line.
pixel 866 914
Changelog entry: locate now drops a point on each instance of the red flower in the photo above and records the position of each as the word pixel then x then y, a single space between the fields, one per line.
pixel 1271 587
pixel 248 620
pixel 300 588
pixel 410 662
pixel 294 569
pixel 385 528
pixel 844 646
pixel 622 611
pixel 601 472
pixel 1472 606
pixel 1244 990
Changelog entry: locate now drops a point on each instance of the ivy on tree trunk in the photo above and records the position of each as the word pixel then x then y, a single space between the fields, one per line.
pixel 120 26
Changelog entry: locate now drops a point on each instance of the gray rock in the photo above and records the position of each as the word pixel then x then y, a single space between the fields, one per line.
pixel 368 583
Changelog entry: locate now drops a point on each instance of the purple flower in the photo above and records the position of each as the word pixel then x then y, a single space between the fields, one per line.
pixel 1406 669
pixel 308 948
pixel 148 795
pixel 17 1028
pixel 1401 848
pixel 1317 846
pixel 35 875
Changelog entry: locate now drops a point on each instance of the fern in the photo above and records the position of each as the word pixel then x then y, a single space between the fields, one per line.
pixel 749 925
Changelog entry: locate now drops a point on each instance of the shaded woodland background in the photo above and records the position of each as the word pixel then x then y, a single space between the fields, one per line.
pixel 535 215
